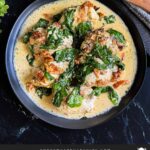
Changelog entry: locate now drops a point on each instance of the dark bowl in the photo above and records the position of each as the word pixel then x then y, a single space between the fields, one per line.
pixel 62 122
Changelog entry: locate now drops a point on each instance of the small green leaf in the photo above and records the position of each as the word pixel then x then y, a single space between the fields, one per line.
pixel 65 54
pixel 83 28
pixel 59 96
pixel 69 17
pixel 42 23
pixel 30 59
pixel 26 37
pixel 110 19
pixel 75 99
pixel 112 94
pixel 117 35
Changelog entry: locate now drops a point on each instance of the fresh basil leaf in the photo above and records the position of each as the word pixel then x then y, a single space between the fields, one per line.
pixel 83 28
pixel 42 23
pixel 41 91
pixel 48 76
pixel 110 19
pixel 26 37
pixel 30 59
pixel 117 35
pixel 75 99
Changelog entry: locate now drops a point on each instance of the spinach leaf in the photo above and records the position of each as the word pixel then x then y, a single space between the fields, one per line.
pixel 110 19
pixel 112 94
pixel 75 99
pixel 26 37
pixel 60 87
pixel 97 91
pixel 119 63
pixel 83 28
pixel 56 36
pixel 42 23
pixel 48 76
pixel 106 56
pixel 59 96
pixel 108 62
pixel 69 17
pixel 41 91
pixel 30 59
pixel 31 49
pixel 117 35
pixel 65 54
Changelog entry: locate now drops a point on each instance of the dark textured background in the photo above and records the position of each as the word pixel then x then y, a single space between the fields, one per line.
pixel 17 125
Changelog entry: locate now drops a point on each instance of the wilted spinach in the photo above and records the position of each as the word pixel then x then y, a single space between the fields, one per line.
pixel 83 28
pixel 110 19
pixel 117 35
pixel 55 38
pixel 112 94
pixel 41 91
pixel 60 87
pixel 69 18
pixel 65 54
pixel 75 99
pixel 26 37
pixel 42 23
pixel 30 57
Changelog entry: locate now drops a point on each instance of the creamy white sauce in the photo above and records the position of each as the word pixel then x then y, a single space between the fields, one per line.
pixel 97 105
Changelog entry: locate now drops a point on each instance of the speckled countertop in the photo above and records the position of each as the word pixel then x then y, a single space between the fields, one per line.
pixel 17 125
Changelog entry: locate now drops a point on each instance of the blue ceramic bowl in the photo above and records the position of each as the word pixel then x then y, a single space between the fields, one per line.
pixel 62 122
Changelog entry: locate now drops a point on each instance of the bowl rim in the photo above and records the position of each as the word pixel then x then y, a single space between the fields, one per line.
pixel 36 110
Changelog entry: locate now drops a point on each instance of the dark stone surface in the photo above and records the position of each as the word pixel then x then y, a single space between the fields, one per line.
pixel 17 125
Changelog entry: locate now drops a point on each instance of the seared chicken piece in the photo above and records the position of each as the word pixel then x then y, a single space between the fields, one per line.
pixel 103 38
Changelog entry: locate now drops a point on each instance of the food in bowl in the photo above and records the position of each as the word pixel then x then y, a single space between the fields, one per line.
pixel 75 59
